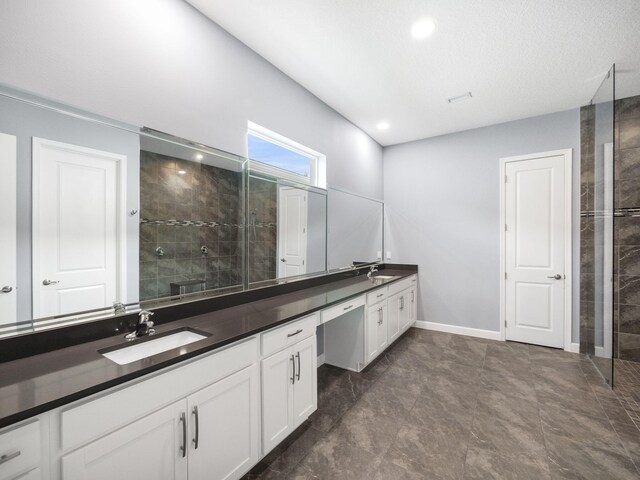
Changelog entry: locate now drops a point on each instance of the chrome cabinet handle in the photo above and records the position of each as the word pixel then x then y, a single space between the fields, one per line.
pixel 50 282
pixel 293 370
pixel 347 308
pixel 6 289
pixel 298 373
pixel 183 448
pixel 294 333
pixel 9 456
pixel 557 276
pixel 196 439
pixel 283 260
pixel 413 295
pixel 380 295
pixel 401 303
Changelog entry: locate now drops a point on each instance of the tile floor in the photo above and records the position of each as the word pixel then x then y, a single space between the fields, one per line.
pixel 442 406
pixel 626 380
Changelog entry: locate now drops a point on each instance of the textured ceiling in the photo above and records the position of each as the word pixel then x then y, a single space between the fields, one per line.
pixel 519 58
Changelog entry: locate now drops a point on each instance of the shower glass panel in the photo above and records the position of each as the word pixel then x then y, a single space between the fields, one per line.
pixel 602 211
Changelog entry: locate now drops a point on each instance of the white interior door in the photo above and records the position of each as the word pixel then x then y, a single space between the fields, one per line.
pixel 292 231
pixel 7 233
pixel 535 233
pixel 77 231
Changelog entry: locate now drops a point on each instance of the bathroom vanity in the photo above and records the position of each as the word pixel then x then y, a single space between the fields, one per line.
pixel 210 409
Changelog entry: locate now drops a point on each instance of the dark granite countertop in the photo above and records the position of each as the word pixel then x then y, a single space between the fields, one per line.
pixel 39 383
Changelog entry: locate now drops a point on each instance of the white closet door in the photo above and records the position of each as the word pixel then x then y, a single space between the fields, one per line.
pixel 7 233
pixel 76 233
pixel 535 262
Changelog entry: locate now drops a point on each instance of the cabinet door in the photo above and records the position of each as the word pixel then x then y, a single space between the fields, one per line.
pixel 277 398
pixel 151 447
pixel 393 317
pixel 374 317
pixel 413 302
pixel 405 310
pixel 305 387
pixel 224 427
pixel 383 334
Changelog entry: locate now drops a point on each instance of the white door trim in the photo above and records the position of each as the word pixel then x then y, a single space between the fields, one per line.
pixel 568 168
pixel 121 163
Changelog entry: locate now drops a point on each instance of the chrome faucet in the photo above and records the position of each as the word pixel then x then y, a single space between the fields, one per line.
pixel 144 326
pixel 373 269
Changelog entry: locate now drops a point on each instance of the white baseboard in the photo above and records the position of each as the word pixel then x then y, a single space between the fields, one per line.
pixel 320 359
pixel 472 332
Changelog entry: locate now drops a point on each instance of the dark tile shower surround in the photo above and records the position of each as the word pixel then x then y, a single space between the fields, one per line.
pixel 626 231
pixel 201 194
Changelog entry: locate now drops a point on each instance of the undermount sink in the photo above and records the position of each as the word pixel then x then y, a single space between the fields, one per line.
pixel 380 279
pixel 147 347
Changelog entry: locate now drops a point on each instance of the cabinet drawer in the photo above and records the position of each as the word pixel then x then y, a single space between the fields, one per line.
pixel 108 412
pixel 342 308
pixel 376 296
pixel 19 450
pixel 402 284
pixel 281 337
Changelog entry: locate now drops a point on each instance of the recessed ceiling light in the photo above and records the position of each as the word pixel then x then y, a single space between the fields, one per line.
pixel 460 98
pixel 382 125
pixel 182 172
pixel 423 28
pixel 199 156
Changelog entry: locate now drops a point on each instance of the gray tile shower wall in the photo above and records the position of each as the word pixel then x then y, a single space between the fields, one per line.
pixel 263 231
pixel 627 231
pixel 174 192
pixel 587 261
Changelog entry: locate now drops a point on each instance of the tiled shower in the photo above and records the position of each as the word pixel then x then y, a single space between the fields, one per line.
pixel 190 223
pixel 610 240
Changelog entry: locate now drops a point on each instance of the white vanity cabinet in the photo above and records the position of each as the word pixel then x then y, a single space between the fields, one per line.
pixel 211 432
pixel 376 330
pixel 289 380
pixel 148 448
pixel 20 451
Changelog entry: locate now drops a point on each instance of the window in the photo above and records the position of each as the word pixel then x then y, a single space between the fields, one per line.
pixel 276 155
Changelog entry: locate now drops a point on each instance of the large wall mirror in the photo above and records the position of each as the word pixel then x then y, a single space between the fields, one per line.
pixel 355 229
pixel 286 228
pixel 101 218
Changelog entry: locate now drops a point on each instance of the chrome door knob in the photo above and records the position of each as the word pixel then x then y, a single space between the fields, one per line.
pixel 557 276
pixel 6 289
pixel 50 282
pixel 283 259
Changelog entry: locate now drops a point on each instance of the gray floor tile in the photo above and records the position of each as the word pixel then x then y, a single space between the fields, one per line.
pixel 573 460
pixel 484 464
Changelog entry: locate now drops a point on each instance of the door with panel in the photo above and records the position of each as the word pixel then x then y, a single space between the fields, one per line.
pixel 277 376
pixel 535 250
pixel 377 334
pixel 413 305
pixel 405 310
pixel 305 386
pixel 292 232
pixel 224 427
pixel 8 241
pixel 153 447
pixel 393 317
pixel 78 233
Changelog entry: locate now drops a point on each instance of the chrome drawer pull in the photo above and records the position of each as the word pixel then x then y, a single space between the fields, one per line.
pixel 294 333
pixel 347 308
pixel 196 440
pixel 380 295
pixel 183 447
pixel 9 456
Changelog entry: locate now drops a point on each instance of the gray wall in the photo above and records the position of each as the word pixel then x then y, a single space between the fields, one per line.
pixel 162 64
pixel 27 121
pixel 442 212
